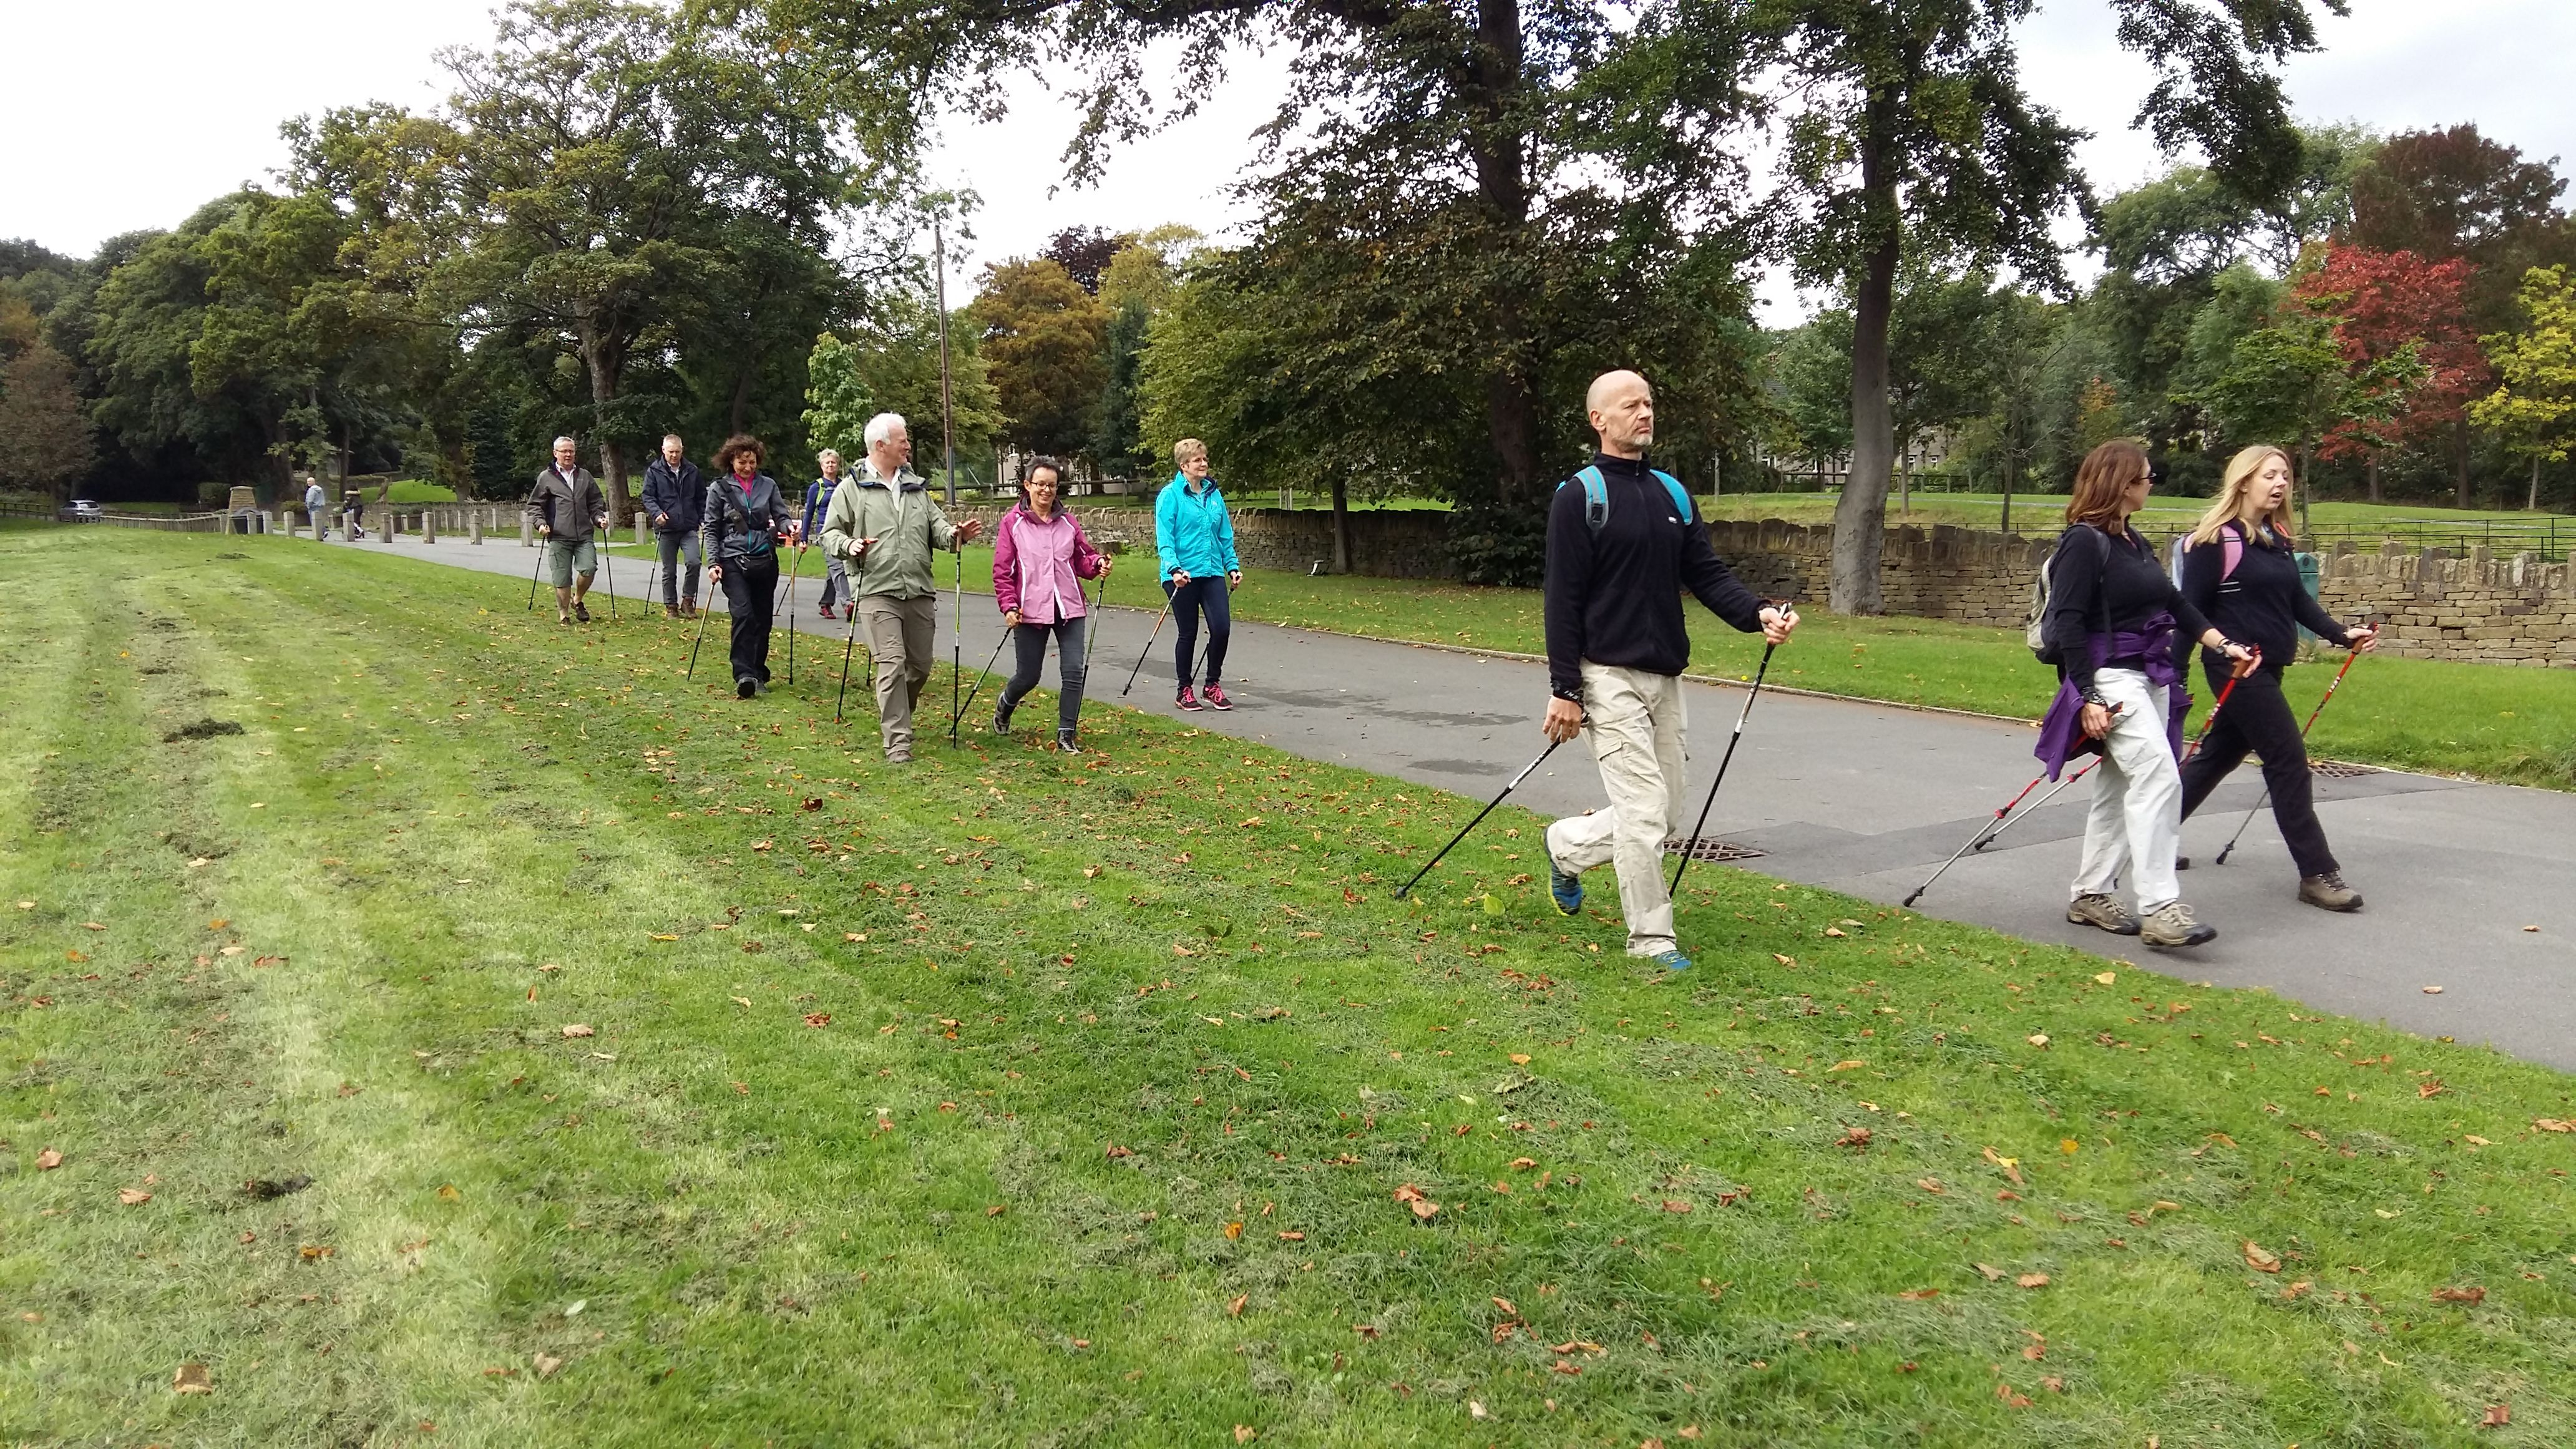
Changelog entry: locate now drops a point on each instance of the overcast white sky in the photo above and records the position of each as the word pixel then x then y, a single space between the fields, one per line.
pixel 148 108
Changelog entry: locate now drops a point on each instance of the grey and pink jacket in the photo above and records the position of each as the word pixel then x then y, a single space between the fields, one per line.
pixel 1038 568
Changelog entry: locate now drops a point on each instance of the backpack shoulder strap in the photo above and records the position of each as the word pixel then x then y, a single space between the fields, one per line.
pixel 1681 495
pixel 1596 496
pixel 2232 542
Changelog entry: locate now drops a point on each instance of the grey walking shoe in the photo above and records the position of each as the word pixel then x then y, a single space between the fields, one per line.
pixel 2171 925
pixel 2103 911
pixel 2327 892
pixel 1002 716
pixel 1064 741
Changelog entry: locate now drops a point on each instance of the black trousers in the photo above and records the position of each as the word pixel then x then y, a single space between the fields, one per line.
pixel 1030 641
pixel 751 592
pixel 2258 721
pixel 1200 595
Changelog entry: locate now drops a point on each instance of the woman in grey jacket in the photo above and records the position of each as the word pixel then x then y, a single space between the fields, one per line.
pixel 746 520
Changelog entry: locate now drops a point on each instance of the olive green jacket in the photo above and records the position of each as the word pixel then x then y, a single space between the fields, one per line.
pixel 904 520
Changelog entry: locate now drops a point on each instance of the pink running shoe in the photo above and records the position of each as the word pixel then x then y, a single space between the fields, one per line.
pixel 1188 700
pixel 1216 698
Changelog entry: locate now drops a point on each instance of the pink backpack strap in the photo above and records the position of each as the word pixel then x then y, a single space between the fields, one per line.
pixel 2232 543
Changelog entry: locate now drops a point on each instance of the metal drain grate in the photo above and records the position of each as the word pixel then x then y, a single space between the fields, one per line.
pixel 1716 850
pixel 2338 770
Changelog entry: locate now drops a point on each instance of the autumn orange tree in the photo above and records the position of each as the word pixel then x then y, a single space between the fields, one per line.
pixel 2385 306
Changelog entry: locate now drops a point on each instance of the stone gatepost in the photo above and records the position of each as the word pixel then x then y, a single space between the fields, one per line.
pixel 639 528
pixel 429 525
pixel 527 532
pixel 474 527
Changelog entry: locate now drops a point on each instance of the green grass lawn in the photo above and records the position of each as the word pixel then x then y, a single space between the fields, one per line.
pixel 499 1041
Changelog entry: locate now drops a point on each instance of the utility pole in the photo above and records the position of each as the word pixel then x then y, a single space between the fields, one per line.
pixel 947 417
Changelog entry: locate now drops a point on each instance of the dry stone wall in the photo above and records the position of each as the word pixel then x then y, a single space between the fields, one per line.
pixel 2479 608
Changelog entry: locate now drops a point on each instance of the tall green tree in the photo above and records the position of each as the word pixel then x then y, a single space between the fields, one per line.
pixel 1522 179
pixel 621 171
pixel 1910 126
pixel 2535 405
pixel 1045 340
pixel 45 439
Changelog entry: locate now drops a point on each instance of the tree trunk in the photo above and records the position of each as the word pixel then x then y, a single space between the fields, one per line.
pixel 741 392
pixel 1498 145
pixel 604 358
pixel 1341 525
pixel 2533 501
pixel 2460 462
pixel 2374 477
pixel 1860 517
pixel 1905 489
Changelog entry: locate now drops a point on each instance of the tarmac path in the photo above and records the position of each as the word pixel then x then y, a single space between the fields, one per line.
pixel 1869 798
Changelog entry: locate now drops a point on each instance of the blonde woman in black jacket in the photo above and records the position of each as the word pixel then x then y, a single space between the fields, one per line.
pixel 2239 568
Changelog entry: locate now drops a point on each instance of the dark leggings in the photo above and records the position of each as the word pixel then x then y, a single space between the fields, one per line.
pixel 1030 640
pixel 2258 720
pixel 751 589
pixel 1206 595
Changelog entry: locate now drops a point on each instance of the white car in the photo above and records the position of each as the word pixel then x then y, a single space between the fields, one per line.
pixel 80 510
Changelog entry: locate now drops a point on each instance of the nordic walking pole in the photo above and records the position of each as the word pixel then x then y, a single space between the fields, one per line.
pixel 980 678
pixel 1722 761
pixel 957 644
pixel 534 574
pixel 846 647
pixel 608 566
pixel 1789 610
pixel 2266 797
pixel 704 609
pixel 1988 829
pixel 797 568
pixel 1480 817
pixel 1148 651
pixel 2251 663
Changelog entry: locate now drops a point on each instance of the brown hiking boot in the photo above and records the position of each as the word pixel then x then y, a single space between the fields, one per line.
pixel 2327 892
pixel 2102 911
pixel 2171 925
pixel 670 611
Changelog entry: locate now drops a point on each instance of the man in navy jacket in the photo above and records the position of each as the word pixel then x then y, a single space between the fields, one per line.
pixel 1623 541
pixel 675 501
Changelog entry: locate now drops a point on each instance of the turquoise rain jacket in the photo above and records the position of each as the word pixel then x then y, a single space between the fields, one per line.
pixel 1192 530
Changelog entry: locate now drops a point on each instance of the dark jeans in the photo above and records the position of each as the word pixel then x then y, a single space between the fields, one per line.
pixel 751 592
pixel 1206 595
pixel 1030 640
pixel 678 548
pixel 2258 720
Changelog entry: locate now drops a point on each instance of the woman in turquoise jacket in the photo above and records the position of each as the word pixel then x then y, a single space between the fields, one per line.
pixel 1194 538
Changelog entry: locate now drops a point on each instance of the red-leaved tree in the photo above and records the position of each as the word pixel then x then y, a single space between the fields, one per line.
pixel 2380 302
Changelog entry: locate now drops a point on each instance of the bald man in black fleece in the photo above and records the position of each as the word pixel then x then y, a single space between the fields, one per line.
pixel 1615 653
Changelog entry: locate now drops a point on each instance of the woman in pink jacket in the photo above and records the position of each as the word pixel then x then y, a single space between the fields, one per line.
pixel 1040 558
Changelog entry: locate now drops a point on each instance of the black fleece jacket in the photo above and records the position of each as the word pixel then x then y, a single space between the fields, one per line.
pixel 2102 583
pixel 2262 604
pixel 1615 597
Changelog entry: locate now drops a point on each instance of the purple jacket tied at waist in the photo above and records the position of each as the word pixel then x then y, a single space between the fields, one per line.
pixel 2061 731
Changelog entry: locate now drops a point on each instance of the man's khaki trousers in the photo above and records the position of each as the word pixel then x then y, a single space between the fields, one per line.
pixel 1636 734
pixel 902 639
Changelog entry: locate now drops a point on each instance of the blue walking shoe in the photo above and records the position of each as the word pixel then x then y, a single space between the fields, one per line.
pixel 1565 890
pixel 1672 960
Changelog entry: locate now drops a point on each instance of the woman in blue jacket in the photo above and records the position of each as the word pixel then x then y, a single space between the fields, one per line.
pixel 1194 537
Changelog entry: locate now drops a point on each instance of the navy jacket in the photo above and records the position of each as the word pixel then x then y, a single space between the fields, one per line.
pixel 681 493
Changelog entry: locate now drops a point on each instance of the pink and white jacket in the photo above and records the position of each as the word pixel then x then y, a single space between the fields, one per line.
pixel 1038 568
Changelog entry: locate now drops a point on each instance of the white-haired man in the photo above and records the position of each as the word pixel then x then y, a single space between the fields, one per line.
pixel 885 524
pixel 818 498
pixel 1623 541
pixel 565 506
pixel 675 503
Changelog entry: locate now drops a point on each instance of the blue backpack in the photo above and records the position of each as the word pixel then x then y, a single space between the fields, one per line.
pixel 1596 495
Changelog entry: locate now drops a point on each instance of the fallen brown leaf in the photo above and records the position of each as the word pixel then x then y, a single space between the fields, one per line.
pixel 48 1160
pixel 2260 1259
pixel 132 1196
pixel 2498 1415
pixel 578 1029
pixel 2459 1295
pixel 192 1378
pixel 1235 1308
pixel 2032 1280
